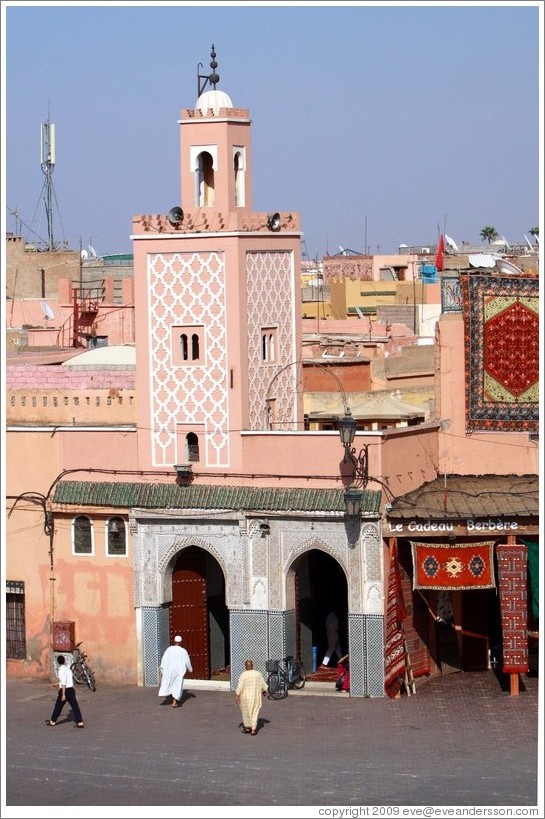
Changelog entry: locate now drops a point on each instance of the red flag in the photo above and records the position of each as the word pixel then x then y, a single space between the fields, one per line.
pixel 440 251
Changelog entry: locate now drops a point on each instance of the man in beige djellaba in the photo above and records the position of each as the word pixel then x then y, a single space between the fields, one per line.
pixel 249 695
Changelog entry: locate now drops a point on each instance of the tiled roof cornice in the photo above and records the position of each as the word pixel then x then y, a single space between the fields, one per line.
pixel 172 496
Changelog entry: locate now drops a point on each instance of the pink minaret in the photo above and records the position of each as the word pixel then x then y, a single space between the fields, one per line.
pixel 217 294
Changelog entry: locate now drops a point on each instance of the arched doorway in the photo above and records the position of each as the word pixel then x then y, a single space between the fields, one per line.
pixel 320 587
pixel 198 611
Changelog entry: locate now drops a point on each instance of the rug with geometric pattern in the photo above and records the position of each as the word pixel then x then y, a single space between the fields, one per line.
pixel 501 338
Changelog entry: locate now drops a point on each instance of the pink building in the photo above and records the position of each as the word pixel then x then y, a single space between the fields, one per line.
pixel 202 505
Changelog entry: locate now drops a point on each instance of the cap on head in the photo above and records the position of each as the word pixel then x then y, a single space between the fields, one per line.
pixel 177 639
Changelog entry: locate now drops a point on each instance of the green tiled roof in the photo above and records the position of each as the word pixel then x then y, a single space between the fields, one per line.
pixel 171 496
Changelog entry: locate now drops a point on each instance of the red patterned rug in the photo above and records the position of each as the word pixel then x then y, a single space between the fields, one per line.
pixel 501 318
pixel 324 673
pixel 453 566
pixel 512 584
pixel 395 664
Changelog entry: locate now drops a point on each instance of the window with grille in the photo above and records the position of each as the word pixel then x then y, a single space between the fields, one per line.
pixel 82 536
pixel 116 537
pixel 15 620
pixel 192 447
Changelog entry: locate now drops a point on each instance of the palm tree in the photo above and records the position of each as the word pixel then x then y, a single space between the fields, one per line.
pixel 534 231
pixel 489 233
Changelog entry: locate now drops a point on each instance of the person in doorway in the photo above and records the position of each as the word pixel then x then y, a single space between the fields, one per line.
pixel 175 663
pixel 66 693
pixel 342 683
pixel 249 695
pixel 333 642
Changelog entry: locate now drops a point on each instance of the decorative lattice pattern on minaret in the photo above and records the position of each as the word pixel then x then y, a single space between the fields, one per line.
pixel 188 289
pixel 271 303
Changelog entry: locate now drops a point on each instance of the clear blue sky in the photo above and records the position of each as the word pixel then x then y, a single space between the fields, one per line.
pixel 376 123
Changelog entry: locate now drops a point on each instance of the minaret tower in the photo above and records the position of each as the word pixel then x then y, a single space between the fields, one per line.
pixel 217 297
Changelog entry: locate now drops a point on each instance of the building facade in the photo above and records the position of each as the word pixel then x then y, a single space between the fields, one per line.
pixel 193 499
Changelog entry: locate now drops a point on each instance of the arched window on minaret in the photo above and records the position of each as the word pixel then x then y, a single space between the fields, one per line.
pixel 207 193
pixel 238 168
pixel 271 347
pixel 184 351
pixel 195 347
pixel 192 447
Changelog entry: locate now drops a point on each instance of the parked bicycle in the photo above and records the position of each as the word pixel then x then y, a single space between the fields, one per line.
pixel 81 671
pixel 284 674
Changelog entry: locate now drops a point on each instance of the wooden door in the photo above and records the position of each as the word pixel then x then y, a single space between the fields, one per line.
pixel 189 610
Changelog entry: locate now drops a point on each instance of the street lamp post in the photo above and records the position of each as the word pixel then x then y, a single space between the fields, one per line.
pixel 360 477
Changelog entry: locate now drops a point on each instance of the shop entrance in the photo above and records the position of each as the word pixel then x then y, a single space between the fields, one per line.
pixel 480 629
pixel 198 611
pixel 451 630
pixel 320 588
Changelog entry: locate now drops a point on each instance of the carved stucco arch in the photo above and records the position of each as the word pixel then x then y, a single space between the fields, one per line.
pixel 297 552
pixel 165 566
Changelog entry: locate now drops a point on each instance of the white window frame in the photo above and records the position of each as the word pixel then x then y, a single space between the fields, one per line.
pixel 106 539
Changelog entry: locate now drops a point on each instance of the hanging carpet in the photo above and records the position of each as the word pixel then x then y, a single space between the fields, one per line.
pixel 501 339
pixel 512 584
pixel 453 566
pixel 395 660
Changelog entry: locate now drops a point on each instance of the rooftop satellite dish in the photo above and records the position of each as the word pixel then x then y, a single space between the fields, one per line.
pixel 48 312
pixel 84 255
pixel 505 266
pixel 92 252
pixel 451 243
pixel 175 216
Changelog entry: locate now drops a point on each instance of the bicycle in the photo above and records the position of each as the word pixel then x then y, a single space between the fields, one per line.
pixel 284 674
pixel 82 672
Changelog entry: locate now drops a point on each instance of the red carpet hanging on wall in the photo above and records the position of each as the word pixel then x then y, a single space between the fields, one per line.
pixel 512 584
pixel 501 329
pixel 395 664
pixel 453 566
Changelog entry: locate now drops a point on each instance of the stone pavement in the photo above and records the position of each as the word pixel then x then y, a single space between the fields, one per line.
pixel 461 740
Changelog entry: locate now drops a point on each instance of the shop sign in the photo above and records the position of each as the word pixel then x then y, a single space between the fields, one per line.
pixel 489 525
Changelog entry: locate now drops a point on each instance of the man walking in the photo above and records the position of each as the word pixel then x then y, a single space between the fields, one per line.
pixel 66 693
pixel 174 664
pixel 249 696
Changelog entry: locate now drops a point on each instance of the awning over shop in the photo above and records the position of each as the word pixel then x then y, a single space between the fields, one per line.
pixel 456 497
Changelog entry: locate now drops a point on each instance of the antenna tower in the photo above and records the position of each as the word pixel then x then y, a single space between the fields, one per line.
pixel 48 165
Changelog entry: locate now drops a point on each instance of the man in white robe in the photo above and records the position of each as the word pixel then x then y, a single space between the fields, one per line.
pixel 174 664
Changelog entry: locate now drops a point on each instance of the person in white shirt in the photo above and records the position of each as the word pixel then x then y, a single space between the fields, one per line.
pixel 174 664
pixel 66 694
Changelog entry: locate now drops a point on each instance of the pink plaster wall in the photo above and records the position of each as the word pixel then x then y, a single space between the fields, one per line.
pixel 59 377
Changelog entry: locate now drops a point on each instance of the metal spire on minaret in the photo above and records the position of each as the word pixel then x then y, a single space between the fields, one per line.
pixel 213 78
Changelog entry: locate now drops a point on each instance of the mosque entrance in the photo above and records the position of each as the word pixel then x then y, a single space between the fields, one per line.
pixel 320 588
pixel 198 611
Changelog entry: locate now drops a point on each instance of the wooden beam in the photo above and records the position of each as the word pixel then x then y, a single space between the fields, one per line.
pixel 514 684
